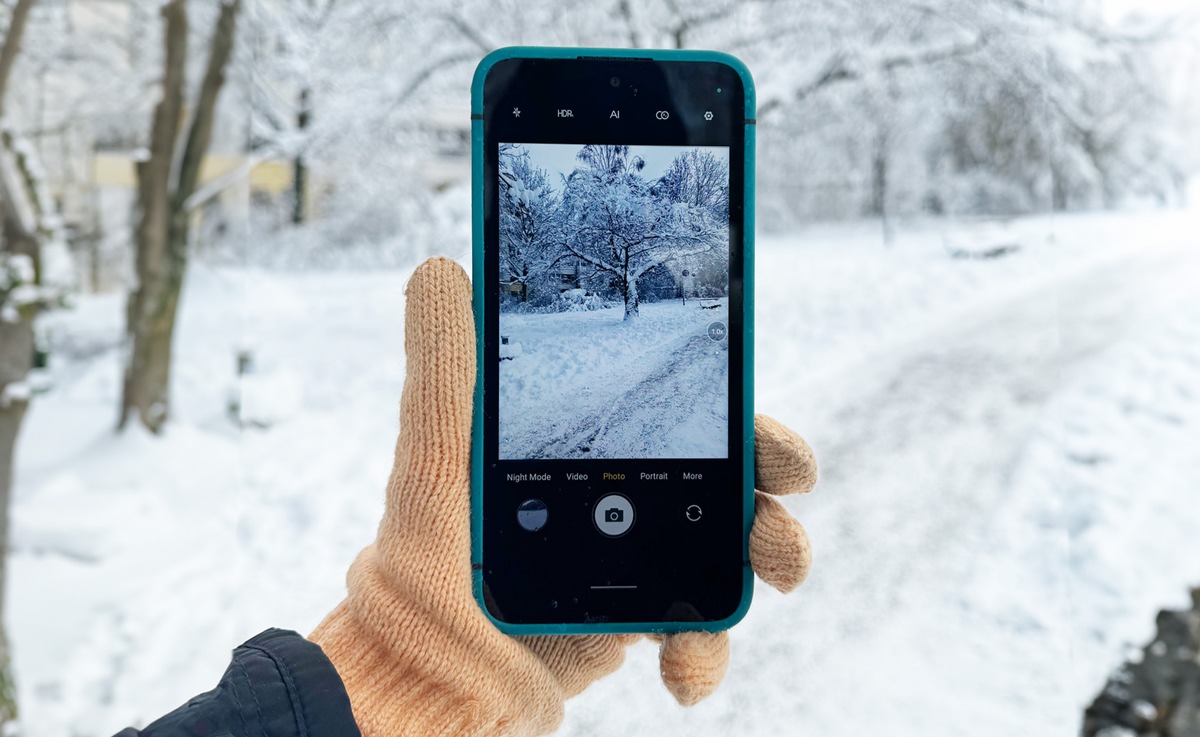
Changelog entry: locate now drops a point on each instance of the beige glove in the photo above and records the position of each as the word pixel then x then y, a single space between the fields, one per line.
pixel 413 648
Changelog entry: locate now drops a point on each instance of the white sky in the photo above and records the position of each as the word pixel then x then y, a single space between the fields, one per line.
pixel 559 158
pixel 1118 9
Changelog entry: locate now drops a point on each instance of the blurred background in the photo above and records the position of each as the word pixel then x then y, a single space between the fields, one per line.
pixel 979 299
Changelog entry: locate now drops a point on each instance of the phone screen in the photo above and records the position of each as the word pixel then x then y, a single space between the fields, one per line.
pixel 613 339
pixel 614 263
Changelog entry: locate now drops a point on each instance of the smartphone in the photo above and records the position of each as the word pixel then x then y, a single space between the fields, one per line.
pixel 612 477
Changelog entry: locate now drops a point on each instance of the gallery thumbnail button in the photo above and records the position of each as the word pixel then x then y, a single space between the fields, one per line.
pixel 532 515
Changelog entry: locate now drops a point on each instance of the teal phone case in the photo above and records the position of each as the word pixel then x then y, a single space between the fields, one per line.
pixel 546 52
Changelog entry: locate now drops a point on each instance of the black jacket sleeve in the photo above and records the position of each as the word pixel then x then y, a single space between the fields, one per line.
pixel 277 685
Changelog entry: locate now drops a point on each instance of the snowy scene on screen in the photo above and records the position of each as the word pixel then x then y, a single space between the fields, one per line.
pixel 614 301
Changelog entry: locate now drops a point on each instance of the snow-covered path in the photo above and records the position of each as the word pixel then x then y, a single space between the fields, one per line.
pixel 1009 473
pixel 981 555
pixel 648 420
pixel 963 586
pixel 590 385
pixel 945 424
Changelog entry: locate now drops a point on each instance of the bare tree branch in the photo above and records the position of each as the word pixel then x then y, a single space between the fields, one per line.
pixel 200 132
pixel 686 24
pixel 593 261
pixel 12 43
pixel 470 32
pixel 626 12
pixel 428 71
pixel 837 69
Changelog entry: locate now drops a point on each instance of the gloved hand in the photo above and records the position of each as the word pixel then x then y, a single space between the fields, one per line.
pixel 413 648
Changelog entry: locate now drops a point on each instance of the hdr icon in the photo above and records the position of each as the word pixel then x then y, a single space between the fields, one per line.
pixel 565 114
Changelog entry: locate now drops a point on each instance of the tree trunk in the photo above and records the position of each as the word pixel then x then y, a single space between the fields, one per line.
pixel 631 299
pixel 299 165
pixel 16 359
pixel 1058 189
pixel 17 346
pixel 152 308
pixel 16 341
pixel 12 43
pixel 150 313
pixel 8 682
pixel 163 234
pixel 879 188
pixel 629 290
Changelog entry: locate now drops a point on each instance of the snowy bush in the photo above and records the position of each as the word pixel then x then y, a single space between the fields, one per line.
pixel 579 300
pixel 17 287
pixel 15 269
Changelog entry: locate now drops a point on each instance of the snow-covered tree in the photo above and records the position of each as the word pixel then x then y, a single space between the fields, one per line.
pixel 23 227
pixel 529 224
pixel 614 221
pixel 865 108
pixel 697 178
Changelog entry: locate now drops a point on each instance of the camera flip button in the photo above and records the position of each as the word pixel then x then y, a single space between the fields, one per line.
pixel 613 515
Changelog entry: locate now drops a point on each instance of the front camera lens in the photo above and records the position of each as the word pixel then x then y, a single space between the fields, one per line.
pixel 615 81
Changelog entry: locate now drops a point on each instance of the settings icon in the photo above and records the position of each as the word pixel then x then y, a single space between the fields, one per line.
pixel 708 115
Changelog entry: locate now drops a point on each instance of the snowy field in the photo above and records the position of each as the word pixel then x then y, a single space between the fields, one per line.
pixel 592 385
pixel 1008 448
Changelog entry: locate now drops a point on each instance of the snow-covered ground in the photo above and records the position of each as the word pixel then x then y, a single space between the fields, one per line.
pixel 1009 451
pixel 590 384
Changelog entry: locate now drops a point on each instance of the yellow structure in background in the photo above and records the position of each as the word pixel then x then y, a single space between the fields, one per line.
pixel 271 177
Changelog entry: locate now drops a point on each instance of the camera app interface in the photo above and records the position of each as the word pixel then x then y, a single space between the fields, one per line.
pixel 613 304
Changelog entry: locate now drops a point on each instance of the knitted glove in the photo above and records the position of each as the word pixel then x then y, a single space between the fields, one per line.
pixel 413 648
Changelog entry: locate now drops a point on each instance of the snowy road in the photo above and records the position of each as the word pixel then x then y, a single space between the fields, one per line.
pixel 591 385
pixel 1004 444
pixel 980 559
pixel 942 434
pixel 648 420
pixel 981 385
